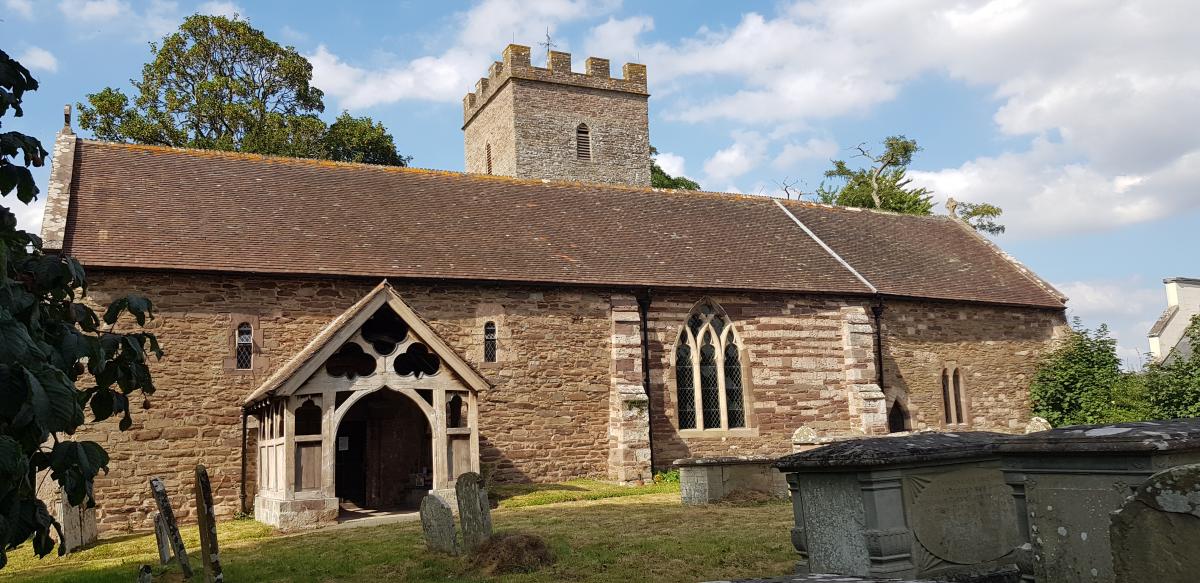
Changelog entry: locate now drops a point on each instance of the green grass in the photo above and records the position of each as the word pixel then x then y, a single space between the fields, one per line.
pixel 617 540
pixel 522 495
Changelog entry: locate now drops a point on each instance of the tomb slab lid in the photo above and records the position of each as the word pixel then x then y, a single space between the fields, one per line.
pixel 890 451
pixel 722 461
pixel 1135 436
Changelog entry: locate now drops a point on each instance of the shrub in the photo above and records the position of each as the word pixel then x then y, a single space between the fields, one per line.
pixel 668 477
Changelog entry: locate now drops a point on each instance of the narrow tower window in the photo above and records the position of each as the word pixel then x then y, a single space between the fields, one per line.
pixel 489 342
pixel 244 346
pixel 583 142
pixel 952 397
pixel 487 151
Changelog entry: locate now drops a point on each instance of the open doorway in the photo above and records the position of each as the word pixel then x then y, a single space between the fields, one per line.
pixel 384 455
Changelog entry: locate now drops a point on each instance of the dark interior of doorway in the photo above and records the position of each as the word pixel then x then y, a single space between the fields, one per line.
pixel 384 455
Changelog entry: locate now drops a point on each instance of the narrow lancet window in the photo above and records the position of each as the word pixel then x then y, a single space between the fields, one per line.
pixel 685 384
pixel 244 346
pixel 489 342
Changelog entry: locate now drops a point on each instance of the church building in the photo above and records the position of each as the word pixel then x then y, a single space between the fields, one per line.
pixel 346 336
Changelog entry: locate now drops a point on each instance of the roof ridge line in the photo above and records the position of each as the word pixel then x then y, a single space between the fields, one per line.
pixel 827 248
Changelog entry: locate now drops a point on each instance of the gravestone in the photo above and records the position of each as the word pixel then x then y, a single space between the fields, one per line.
pixel 474 512
pixel 1037 424
pixel 437 522
pixel 167 515
pixel 1156 534
pixel 162 538
pixel 209 550
pixel 145 575
pixel 78 524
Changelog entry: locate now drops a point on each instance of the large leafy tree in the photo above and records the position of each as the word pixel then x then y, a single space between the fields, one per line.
pixel 884 184
pixel 660 179
pixel 219 83
pixel 57 356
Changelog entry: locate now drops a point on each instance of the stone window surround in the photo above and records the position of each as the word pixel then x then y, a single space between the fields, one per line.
pixel 751 426
pixel 259 362
pixel 494 313
pixel 950 370
pixel 584 152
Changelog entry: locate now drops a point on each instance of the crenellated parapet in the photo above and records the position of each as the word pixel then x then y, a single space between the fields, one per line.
pixel 516 65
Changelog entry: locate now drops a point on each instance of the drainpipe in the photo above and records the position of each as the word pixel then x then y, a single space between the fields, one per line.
pixel 643 301
pixel 242 482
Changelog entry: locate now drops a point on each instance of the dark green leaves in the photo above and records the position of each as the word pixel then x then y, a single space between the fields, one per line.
pixel 48 341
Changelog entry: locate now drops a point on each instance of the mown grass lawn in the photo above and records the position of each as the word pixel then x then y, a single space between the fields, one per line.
pixel 624 539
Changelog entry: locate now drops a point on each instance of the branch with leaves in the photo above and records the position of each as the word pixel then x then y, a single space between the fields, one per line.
pixel 52 343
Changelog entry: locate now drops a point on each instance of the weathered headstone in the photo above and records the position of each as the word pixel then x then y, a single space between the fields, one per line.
pixel 209 550
pixel 1156 533
pixel 78 524
pixel 437 521
pixel 145 575
pixel 162 538
pixel 167 515
pixel 474 512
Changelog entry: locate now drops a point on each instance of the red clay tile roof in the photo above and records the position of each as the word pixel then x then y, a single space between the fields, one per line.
pixel 165 208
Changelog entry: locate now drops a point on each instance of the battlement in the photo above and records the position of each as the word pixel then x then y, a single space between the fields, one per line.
pixel 516 65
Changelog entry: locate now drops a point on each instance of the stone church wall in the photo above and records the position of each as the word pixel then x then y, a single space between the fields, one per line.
pixel 546 419
pixel 995 348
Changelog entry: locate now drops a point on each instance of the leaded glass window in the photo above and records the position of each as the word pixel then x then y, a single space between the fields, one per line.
pixel 685 387
pixel 489 342
pixel 733 385
pixel 244 346
pixel 709 381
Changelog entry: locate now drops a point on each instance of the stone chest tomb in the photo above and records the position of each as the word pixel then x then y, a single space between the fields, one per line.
pixel 919 506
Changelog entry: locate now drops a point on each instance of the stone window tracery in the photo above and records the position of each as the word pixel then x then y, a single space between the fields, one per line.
pixel 244 347
pixel 710 392
pixel 583 142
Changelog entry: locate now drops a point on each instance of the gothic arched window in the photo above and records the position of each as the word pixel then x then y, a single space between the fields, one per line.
pixel 244 346
pixel 709 387
pixel 489 342
pixel 583 142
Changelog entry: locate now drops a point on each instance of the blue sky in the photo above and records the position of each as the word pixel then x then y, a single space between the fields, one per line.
pixel 1078 117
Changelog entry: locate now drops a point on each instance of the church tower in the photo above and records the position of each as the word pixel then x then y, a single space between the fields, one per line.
pixel 552 123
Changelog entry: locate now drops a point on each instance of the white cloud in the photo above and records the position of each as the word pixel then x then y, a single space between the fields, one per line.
pixel 39 59
pixel 1098 89
pixel 812 149
pixel 672 164
pixel 1128 306
pixel 482 30
pixel 29 216
pixel 92 11
pixel 21 7
pixel 743 155
pixel 617 39
pixel 220 8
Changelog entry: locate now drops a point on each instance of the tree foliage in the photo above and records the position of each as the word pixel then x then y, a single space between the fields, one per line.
pixel 1174 384
pixel 660 179
pixel 1081 383
pixel 219 83
pixel 884 184
pixel 1074 383
pixel 51 344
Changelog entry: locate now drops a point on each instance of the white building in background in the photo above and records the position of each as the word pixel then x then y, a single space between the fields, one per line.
pixel 1167 335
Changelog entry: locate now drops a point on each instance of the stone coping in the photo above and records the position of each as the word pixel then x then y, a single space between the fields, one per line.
pixel 895 450
pixel 825 578
pixel 723 461
pixel 1137 436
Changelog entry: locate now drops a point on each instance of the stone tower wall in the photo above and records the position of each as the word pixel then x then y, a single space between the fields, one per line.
pixel 529 115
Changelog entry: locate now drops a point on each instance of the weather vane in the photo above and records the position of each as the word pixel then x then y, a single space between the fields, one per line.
pixel 549 44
